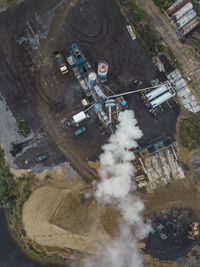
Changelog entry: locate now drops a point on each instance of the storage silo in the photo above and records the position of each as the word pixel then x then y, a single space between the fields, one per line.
pixel 102 70
pixel 92 77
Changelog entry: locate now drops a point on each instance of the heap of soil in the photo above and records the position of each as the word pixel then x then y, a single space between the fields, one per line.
pixel 64 219
pixel 75 213
pixel 169 239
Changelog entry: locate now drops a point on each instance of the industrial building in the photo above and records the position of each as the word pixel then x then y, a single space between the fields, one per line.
pixel 176 6
pixel 183 92
pixel 157 164
pixel 107 105
pixel 91 84
pixel 156 97
pixel 185 19
pixel 190 26
pixel 183 16
pixel 182 11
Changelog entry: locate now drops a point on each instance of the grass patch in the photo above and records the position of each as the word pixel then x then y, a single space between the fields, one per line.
pixel 196 42
pixel 162 4
pixel 137 13
pixel 196 6
pixel 171 55
pixel 10 2
pixel 47 176
pixel 23 128
pixel 32 251
pixel 12 197
pixel 189 133
pixel 149 40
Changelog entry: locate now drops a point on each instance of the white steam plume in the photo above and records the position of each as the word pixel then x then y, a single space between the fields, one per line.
pixel 116 171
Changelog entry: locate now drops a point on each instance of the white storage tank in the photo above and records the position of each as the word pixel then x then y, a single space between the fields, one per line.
pixel 92 77
pixel 102 70
pixel 156 92
pixel 186 18
pixel 181 12
pixel 161 99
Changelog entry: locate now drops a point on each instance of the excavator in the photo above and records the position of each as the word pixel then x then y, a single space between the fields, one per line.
pixel 193 232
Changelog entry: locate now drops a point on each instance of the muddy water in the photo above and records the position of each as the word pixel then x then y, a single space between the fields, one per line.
pixel 10 253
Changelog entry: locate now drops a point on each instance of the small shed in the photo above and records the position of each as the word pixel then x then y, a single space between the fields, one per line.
pixel 79 117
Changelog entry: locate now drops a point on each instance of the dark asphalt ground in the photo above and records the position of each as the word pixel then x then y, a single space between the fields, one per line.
pixel 35 90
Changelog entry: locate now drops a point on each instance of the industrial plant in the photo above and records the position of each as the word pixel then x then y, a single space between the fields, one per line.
pixel 107 105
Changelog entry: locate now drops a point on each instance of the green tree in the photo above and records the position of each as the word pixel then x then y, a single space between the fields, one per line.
pixel 7 184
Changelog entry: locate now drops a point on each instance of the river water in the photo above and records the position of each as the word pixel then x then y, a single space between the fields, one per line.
pixel 10 253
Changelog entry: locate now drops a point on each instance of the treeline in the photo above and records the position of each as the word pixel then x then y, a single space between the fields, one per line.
pixel 8 192
pixel 135 11
pixel 145 33
pixel 148 37
pixel 163 4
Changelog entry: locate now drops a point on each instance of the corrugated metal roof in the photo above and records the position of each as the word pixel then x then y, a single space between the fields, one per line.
pixel 181 12
pixel 176 6
pixel 190 26
pixel 186 18
pixel 79 117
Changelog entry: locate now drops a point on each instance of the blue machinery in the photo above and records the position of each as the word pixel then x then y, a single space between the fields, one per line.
pixel 79 60
pixel 154 148
pixel 93 89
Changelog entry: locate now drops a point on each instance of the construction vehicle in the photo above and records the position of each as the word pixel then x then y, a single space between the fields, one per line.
pixel 193 233
pixel 79 60
pixel 87 101
pixel 60 62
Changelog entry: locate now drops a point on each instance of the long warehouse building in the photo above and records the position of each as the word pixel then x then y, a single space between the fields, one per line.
pixel 156 92
pixel 176 6
pixel 161 99
pixel 181 12
pixel 185 19
pixel 190 26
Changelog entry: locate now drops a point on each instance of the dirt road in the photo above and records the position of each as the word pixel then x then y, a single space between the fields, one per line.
pixel 182 51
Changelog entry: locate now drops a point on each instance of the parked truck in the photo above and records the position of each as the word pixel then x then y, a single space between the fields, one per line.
pixel 60 62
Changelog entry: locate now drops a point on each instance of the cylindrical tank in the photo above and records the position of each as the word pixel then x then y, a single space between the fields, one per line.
pixel 181 12
pixel 185 19
pixel 92 77
pixel 176 6
pixel 156 92
pixel 161 99
pixel 102 70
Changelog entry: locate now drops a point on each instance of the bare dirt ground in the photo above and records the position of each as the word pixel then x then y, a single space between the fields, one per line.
pixel 64 220
pixel 189 62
